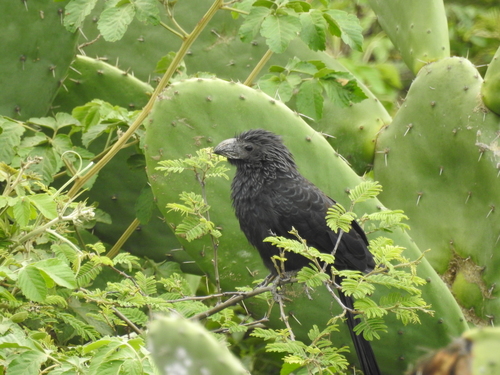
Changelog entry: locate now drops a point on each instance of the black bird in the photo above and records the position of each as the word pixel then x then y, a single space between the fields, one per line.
pixel 270 197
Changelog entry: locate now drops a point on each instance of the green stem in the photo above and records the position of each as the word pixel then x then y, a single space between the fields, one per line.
pixel 123 238
pixel 172 30
pixel 260 65
pixel 186 44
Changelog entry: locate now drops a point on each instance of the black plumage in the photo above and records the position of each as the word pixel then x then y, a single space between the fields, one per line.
pixel 270 197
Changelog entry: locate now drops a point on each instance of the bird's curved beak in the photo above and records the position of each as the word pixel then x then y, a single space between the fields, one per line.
pixel 227 148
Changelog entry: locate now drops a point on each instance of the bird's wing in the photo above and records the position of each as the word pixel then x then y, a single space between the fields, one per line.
pixel 300 204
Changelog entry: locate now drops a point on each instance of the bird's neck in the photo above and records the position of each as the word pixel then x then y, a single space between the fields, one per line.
pixel 251 179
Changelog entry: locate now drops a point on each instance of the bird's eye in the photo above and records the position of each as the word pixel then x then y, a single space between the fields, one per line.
pixel 249 147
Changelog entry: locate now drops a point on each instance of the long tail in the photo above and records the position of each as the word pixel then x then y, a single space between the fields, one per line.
pixel 363 348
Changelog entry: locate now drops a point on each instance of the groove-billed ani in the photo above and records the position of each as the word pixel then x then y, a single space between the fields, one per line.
pixel 270 197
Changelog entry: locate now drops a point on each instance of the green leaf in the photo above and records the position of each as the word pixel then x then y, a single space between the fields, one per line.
pixel 313 31
pixel 34 140
pixel 32 284
pixel 114 21
pixel 60 121
pixel 298 6
pixel 75 13
pixel 252 23
pixel 147 11
pixel 58 271
pixel 62 143
pixel 278 87
pixel 163 64
pixel 338 218
pixel 365 190
pixel 49 165
pixel 88 114
pixel 145 205
pixel 45 204
pixel 340 87
pixel 22 212
pixel 27 363
pixel 348 24
pixel 370 328
pixel 10 139
pixel 310 99
pixel 312 277
pixel 279 31
pixel 304 67
pixel 64 252
pixel 94 132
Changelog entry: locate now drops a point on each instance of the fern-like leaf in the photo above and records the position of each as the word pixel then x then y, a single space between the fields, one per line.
pixel 338 218
pixel 87 273
pixel 312 277
pixel 364 191
pixel 147 284
pixel 82 329
pixel 370 328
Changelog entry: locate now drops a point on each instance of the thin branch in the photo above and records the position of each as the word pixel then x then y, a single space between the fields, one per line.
pixel 256 70
pixel 123 238
pixel 231 302
pixel 182 36
pixel 127 320
pixel 283 315
pixel 217 4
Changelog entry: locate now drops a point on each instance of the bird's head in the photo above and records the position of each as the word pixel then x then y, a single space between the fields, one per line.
pixel 256 147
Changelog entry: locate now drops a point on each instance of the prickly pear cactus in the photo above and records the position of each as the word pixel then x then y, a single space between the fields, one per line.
pixel 475 353
pixel 438 161
pixel 485 348
pixel 491 85
pixel 180 346
pixel 419 29
pixel 354 129
pixel 217 50
pixel 36 53
pixel 90 79
pixel 200 113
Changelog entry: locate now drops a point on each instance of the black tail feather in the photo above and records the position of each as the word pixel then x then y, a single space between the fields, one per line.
pixel 363 348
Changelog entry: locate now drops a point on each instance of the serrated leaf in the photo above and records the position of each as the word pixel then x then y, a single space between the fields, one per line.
pixel 304 67
pixel 163 64
pixel 114 21
pixel 313 31
pixel 49 165
pixel 88 114
pixel 340 87
pixel 58 271
pixel 10 139
pixel 27 363
pixel 279 31
pixel 147 11
pixel 75 13
pixel 32 284
pixel 45 204
pixel 45 122
pixel 310 99
pixel 278 87
pixel 65 252
pixel 298 6
pixel 349 26
pixel 252 23
pixel 62 143
pixel 94 132
pixel 60 121
pixel 145 205
pixel 22 212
